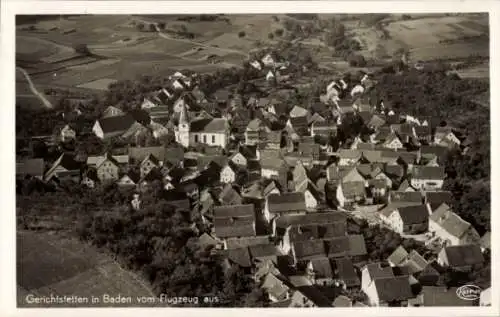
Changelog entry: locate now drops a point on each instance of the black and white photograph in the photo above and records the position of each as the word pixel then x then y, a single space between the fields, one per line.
pixel 270 160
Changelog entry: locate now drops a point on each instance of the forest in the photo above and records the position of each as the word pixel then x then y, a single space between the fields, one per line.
pixel 448 98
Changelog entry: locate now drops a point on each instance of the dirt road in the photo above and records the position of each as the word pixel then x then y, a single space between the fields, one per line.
pixel 35 92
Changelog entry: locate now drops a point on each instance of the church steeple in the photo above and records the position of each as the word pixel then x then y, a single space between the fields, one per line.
pixel 183 128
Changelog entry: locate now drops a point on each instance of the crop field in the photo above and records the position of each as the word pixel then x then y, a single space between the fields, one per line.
pixel 100 84
pixel 479 71
pixel 49 264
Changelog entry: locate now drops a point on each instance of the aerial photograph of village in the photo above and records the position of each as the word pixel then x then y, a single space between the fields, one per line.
pixel 253 160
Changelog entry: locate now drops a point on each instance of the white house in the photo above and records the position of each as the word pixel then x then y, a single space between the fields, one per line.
pixel 427 177
pixel 214 132
pixel 228 174
pixel 451 228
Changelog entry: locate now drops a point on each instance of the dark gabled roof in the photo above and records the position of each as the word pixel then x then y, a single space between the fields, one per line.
pixel 286 202
pixel 349 154
pixel 423 131
pixel 247 210
pixel 337 247
pixel 414 214
pixel 141 116
pixel 442 296
pixel 428 172
pixel 32 167
pixel 222 95
pixel 346 272
pixel 393 288
pixel 208 125
pixel 309 249
pixel 320 218
pixel 379 270
pixel 353 189
pixel 322 268
pixel 229 196
pixel 263 250
pixel 116 123
pixel 235 243
pixel 435 199
pixel 234 227
pixel 401 196
pixel 357 245
pixel 438 151
pixel 239 256
pixel 462 255
pixel 394 171
pixel 298 121
pixel 308 149
pixel 272 162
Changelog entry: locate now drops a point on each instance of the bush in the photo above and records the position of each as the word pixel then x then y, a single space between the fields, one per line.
pixel 275 18
pixel 140 26
pixel 162 25
pixel 152 27
pixel 406 17
pixel 241 34
pixel 82 49
pixel 279 32
pixel 356 60
pixel 270 36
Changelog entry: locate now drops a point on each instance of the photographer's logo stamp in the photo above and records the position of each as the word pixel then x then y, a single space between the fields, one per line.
pixel 469 292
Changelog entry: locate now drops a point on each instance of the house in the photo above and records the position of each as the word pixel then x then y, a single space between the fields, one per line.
pixel 89 178
pixel 229 196
pixel 149 163
pixel 348 157
pixel 451 228
pixel 393 142
pixel 130 179
pixel 273 140
pixel 113 126
pixel 485 241
pixel 30 168
pixel 427 177
pixel 214 132
pixel 299 125
pixel 275 289
pixel 159 130
pixel 268 60
pixel 439 296
pixel 64 168
pixel 67 133
pixel 286 203
pixel 274 168
pixel 239 159
pixel 444 136
pixel 350 193
pixel 324 129
pixel 321 271
pixel 107 168
pixel 406 197
pixel 299 112
pixel 234 243
pixel 436 198
pixel 234 221
pixel 256 132
pixel 271 188
pixel 410 219
pixel 229 173
pixel 373 271
pixel 398 257
pixel 461 257
pixel 346 273
pixel 424 134
pixel 405 187
pixel 389 291
pixel 315 118
pixel 309 150
pixel 112 112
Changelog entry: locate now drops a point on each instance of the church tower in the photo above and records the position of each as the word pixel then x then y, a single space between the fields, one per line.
pixel 183 128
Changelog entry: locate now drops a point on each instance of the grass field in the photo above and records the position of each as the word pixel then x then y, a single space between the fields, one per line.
pixel 100 84
pixel 58 265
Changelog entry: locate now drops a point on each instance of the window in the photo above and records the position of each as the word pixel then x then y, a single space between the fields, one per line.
pixel 204 139
pixel 213 139
pixel 195 138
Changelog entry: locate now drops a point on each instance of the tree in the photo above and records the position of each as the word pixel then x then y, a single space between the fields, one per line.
pixel 162 25
pixel 270 36
pixel 152 27
pixel 279 32
pixel 241 34
pixel 141 26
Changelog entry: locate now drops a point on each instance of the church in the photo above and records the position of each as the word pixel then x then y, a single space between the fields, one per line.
pixel 209 131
